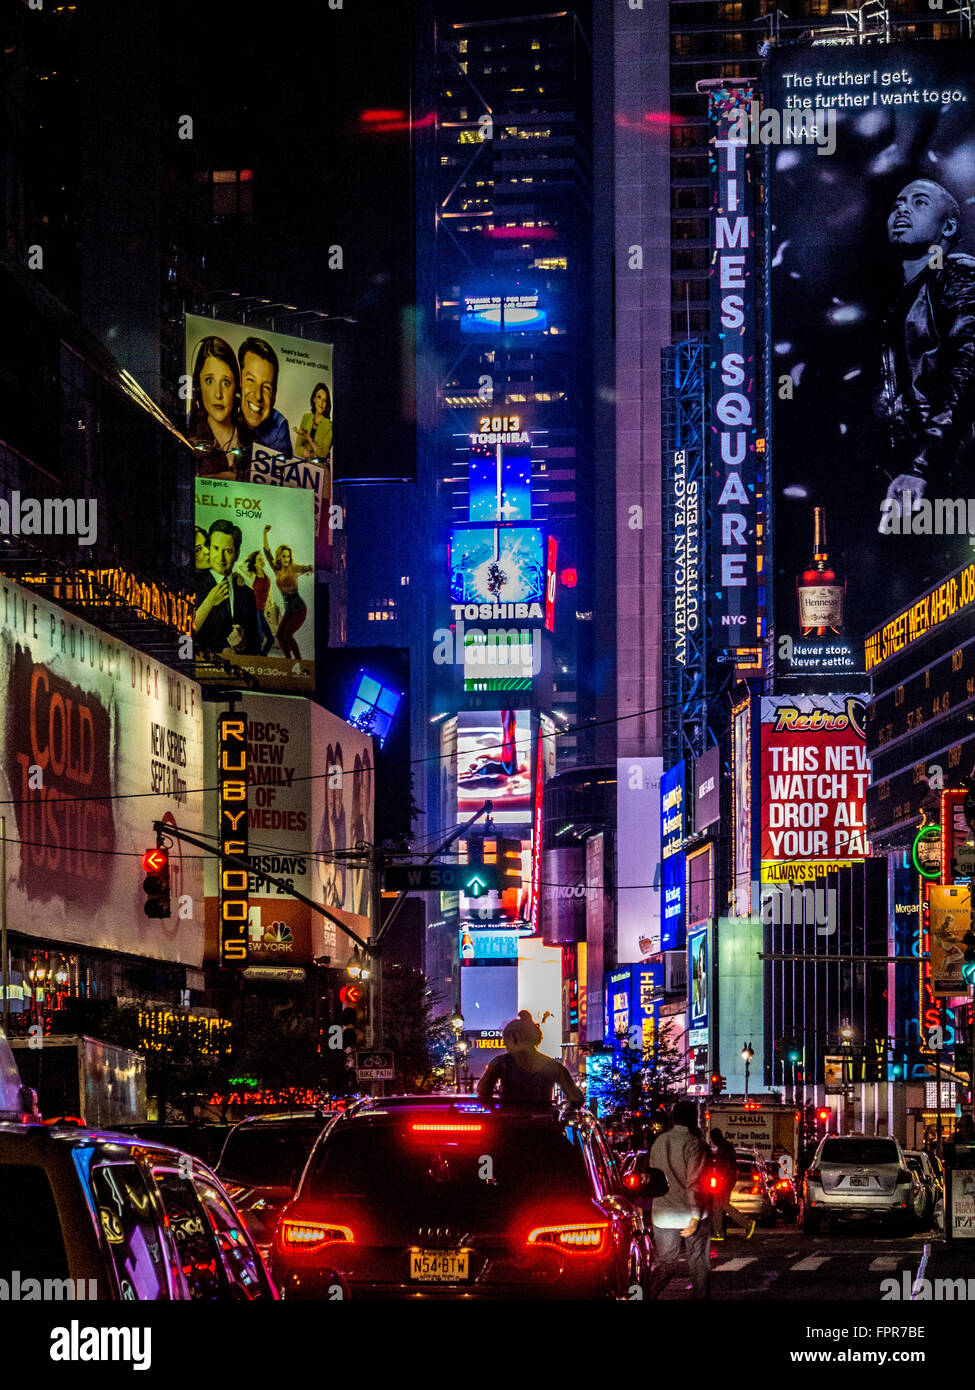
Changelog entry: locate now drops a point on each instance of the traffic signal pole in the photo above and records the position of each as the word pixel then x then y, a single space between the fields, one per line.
pixel 177 832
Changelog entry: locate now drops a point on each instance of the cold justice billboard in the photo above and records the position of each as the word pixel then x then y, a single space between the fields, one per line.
pixel 872 332
pixel 98 741
pixel 260 409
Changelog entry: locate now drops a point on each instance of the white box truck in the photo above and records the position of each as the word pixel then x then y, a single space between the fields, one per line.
pixel 75 1075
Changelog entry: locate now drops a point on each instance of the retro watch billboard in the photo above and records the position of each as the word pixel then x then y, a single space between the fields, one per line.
pixel 872 333
pixel 814 775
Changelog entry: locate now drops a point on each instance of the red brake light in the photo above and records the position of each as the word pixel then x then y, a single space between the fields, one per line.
pixel 783 1183
pixel 631 1180
pixel 576 1238
pixel 446 1128
pixel 714 1181
pixel 295 1235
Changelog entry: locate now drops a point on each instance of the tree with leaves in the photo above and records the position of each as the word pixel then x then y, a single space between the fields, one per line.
pixel 643 1079
pixel 420 1037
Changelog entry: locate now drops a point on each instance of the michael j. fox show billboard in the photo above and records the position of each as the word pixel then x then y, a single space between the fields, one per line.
pixel 254 617
pixel 260 408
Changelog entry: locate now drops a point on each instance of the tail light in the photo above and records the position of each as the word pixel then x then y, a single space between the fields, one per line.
pixel 589 1238
pixel 813 1174
pixel 632 1180
pixel 904 1175
pixel 293 1235
pixel 756 1189
pixel 784 1185
pixel 714 1181
pixel 447 1128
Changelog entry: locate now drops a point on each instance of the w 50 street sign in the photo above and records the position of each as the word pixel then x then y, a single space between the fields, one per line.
pixel 469 879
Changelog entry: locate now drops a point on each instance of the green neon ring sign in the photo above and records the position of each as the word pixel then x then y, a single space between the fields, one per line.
pixel 926 833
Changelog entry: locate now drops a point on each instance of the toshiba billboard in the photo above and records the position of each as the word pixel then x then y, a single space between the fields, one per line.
pixel 814 779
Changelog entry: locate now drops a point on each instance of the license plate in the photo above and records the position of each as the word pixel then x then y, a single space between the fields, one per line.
pixel 439 1266
pixel 859 1182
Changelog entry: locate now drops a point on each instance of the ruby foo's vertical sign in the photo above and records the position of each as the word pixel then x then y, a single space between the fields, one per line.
pixel 735 488
pixel 232 804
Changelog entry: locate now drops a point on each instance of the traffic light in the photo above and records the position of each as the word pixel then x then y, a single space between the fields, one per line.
pixel 509 863
pixel 155 866
pixel 717 1083
pixel 822 1119
pixel 968 964
pixel 354 1016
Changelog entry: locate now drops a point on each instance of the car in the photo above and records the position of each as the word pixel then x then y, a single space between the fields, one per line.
pixel 260 1164
pixel 930 1181
pixel 641 1181
pixel 752 1195
pixel 858 1177
pixel 447 1196
pixel 783 1192
pixel 203 1140
pixel 116 1217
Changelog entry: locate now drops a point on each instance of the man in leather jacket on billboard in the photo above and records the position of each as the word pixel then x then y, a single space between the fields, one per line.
pixel 927 398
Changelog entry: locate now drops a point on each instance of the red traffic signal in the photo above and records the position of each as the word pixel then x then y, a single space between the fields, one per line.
pixel 349 996
pixel 155 861
pixel 155 865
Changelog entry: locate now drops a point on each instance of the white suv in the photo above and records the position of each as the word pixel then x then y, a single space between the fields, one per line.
pixel 858 1176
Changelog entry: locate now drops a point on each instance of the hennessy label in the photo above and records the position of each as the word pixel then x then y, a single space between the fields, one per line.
pixel 821 605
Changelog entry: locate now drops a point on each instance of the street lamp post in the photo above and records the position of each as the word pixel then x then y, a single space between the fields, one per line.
pixel 457 1023
pixel 747 1054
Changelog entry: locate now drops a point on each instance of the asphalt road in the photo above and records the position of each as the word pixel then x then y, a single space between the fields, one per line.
pixel 848 1263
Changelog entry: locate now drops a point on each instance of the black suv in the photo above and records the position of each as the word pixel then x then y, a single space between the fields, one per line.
pixel 96 1215
pixel 260 1164
pixel 445 1196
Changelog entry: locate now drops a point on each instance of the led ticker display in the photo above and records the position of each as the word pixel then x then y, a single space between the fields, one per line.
pixel 953 595
pixel 497 564
pixel 232 812
pixel 940 689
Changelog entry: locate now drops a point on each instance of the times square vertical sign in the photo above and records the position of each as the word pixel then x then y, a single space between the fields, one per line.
pixel 735 485
pixel 232 812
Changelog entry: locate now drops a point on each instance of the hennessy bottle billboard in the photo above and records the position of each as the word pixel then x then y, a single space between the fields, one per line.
pixel 820 591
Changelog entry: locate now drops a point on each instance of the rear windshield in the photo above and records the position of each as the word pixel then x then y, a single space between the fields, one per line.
pixel 268 1155
pixel 747 1170
pixel 392 1167
pixel 859 1151
pixel 30 1232
pixel 914 1163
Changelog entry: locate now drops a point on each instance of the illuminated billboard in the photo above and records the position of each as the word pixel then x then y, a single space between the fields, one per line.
pixel 373 707
pixel 638 871
pixel 494 764
pixel 872 307
pixel 501 662
pixel 254 614
pixel 497 564
pixel 814 772
pixel 260 409
pixel 97 741
pixel 735 471
pixel 310 793
pixel 499 482
pixel 742 828
pixel 515 312
pixel 674 829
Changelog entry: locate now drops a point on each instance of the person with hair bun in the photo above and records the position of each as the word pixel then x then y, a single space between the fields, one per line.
pixel 527 1076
